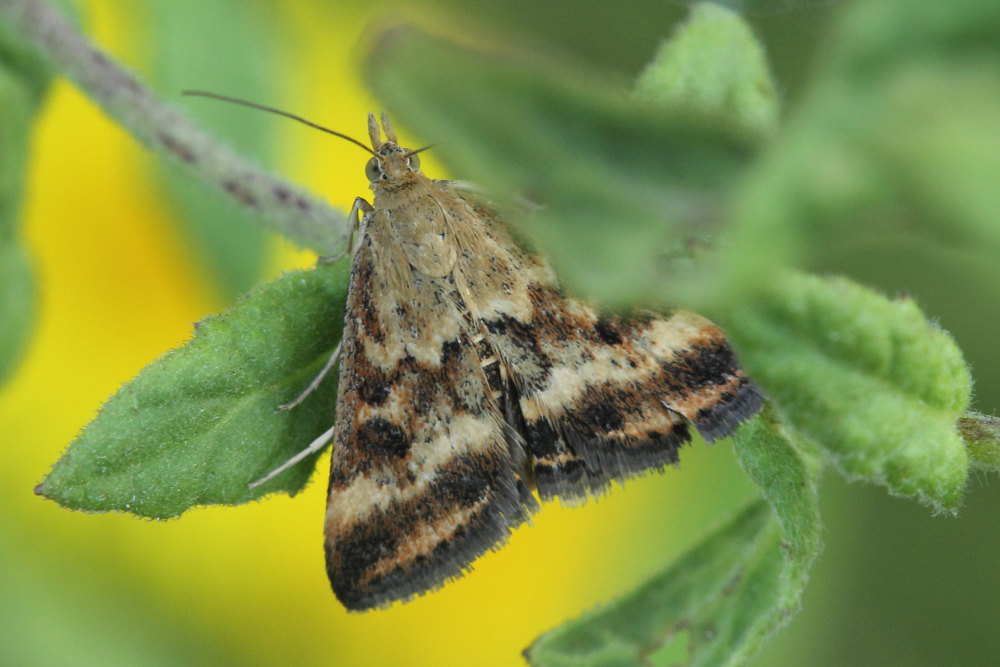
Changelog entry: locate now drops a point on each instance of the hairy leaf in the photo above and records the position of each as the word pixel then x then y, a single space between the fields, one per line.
pixel 728 594
pixel 713 63
pixel 640 623
pixel 870 380
pixel 201 423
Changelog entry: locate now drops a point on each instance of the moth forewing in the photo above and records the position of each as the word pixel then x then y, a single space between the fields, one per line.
pixel 422 478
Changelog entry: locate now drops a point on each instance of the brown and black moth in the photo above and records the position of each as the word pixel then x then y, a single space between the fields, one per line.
pixel 469 382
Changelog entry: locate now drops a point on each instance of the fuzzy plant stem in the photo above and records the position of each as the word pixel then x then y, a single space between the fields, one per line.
pixel 283 207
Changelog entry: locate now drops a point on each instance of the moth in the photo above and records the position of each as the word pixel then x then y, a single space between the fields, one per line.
pixel 469 382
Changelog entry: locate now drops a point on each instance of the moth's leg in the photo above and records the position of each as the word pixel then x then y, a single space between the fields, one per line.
pixel 316 380
pixel 314 446
pixel 361 207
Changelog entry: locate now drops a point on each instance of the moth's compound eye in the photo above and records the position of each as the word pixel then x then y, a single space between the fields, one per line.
pixel 414 162
pixel 373 170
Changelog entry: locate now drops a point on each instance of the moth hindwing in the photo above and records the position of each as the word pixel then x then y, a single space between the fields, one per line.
pixel 468 379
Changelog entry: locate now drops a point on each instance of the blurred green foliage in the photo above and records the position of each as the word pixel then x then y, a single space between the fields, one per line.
pixel 186 50
pixel 625 186
pixel 51 616
pixel 24 80
pixel 17 281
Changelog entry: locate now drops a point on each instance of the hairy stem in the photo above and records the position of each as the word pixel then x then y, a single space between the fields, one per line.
pixel 280 205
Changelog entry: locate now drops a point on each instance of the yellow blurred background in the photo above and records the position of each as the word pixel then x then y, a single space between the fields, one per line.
pixel 120 284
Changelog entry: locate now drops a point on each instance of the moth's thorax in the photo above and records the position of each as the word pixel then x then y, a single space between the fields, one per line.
pixel 409 225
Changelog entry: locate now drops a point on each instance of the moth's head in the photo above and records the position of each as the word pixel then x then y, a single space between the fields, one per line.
pixel 390 161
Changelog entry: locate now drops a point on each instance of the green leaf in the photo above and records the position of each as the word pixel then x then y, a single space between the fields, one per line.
pixel 870 380
pixel 185 44
pixel 787 471
pixel 634 626
pixel 201 423
pixel 713 63
pixel 982 437
pixel 621 182
pixel 728 594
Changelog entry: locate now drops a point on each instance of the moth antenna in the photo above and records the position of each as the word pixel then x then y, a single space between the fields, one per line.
pixel 374 133
pixel 261 107
pixel 419 150
pixel 390 133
